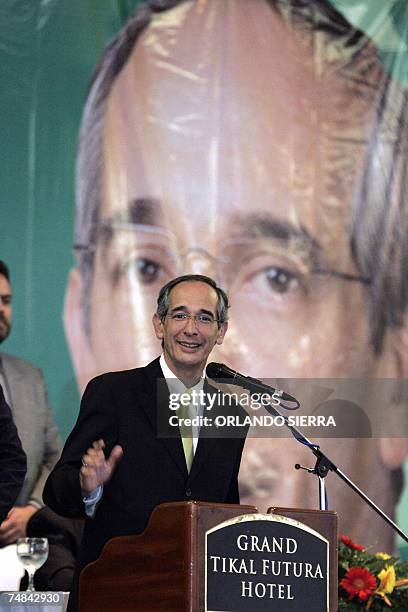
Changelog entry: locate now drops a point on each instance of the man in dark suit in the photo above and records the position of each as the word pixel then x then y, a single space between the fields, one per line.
pixel 117 465
pixel 12 460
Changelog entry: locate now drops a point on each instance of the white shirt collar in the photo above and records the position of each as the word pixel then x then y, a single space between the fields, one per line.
pixel 174 384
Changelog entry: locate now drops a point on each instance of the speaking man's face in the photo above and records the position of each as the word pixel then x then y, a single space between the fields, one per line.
pixel 187 343
pixel 236 158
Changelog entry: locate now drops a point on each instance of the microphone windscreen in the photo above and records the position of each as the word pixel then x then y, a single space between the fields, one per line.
pixel 216 370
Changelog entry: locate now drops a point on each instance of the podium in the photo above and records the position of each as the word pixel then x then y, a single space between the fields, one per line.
pixel 196 557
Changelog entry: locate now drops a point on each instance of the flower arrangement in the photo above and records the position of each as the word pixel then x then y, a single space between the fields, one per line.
pixel 370 581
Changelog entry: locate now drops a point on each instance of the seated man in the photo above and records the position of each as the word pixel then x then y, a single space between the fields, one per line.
pixel 115 468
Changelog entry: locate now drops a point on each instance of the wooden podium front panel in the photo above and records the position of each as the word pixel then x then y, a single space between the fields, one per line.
pixel 161 569
pixel 142 572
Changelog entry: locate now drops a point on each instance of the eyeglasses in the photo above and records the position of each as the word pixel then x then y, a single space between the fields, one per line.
pixel 264 277
pixel 201 319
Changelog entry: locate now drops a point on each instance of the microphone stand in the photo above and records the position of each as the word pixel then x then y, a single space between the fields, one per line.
pixel 324 465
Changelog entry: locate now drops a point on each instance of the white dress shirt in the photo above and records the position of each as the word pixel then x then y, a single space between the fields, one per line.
pixel 176 386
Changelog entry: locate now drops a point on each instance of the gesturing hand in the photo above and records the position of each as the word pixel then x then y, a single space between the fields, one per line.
pixel 96 470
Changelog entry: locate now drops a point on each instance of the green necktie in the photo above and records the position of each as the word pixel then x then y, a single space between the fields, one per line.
pixel 186 432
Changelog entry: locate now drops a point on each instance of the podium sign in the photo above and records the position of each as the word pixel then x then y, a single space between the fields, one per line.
pixel 198 556
pixel 265 562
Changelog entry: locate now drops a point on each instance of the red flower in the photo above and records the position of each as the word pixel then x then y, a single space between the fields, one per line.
pixel 348 542
pixel 359 581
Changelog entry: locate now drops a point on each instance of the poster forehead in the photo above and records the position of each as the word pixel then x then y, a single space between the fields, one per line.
pixel 246 121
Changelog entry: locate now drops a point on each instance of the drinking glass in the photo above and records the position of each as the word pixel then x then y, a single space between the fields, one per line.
pixel 32 554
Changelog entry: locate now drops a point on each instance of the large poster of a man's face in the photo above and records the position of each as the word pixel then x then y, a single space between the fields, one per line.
pixel 261 143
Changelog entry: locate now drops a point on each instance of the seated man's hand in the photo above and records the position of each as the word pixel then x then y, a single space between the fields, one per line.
pixel 96 469
pixel 14 525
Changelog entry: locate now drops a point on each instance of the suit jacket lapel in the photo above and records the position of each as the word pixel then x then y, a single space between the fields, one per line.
pixel 155 404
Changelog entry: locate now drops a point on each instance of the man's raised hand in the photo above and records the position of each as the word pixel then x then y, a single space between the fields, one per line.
pixel 96 469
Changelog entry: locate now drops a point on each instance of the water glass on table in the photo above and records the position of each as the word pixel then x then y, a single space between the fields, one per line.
pixel 32 554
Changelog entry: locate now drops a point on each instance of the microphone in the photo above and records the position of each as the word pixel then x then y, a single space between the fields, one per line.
pixel 219 370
